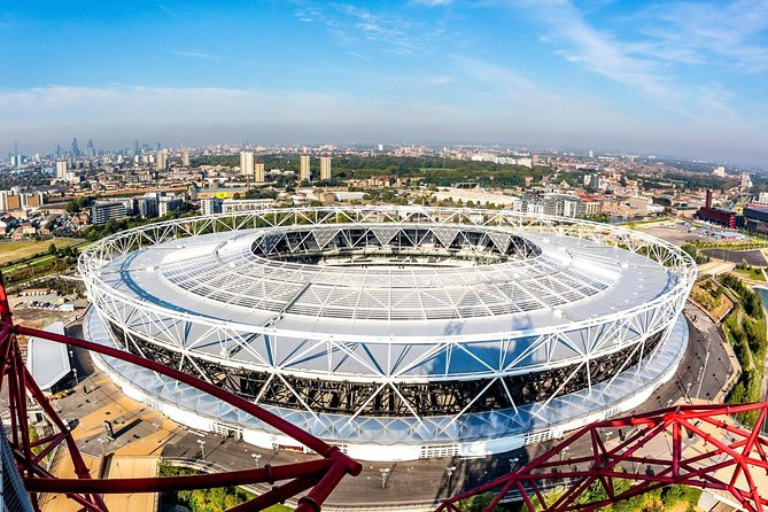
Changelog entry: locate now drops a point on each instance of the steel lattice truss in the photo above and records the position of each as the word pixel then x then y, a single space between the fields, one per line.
pixel 316 478
pixel 281 363
pixel 696 445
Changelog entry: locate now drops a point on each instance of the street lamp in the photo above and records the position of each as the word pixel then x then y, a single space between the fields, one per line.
pixel 513 462
pixel 74 371
pixel 256 457
pixel 202 448
pixel 384 473
pixel 450 470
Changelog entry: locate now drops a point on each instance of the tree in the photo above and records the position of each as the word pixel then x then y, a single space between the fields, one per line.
pixel 52 249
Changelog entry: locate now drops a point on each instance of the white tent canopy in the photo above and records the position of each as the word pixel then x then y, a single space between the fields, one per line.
pixel 48 361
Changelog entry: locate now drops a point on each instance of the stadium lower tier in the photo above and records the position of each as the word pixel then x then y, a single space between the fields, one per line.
pixel 411 420
pixel 432 398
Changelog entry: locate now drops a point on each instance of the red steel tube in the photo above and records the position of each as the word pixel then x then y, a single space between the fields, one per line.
pixel 308 440
pixel 180 483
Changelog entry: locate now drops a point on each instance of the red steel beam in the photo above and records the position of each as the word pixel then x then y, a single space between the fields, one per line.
pixel 744 451
pixel 320 476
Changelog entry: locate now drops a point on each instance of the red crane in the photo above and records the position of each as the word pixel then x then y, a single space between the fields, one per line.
pixel 316 478
pixel 696 445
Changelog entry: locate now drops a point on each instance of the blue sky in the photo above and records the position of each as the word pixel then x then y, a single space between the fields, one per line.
pixel 679 78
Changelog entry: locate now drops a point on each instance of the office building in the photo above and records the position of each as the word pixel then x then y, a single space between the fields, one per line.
pixel 304 173
pixel 104 211
pixel 247 159
pixel 185 158
pixel 325 167
pixel 242 205
pixel 168 204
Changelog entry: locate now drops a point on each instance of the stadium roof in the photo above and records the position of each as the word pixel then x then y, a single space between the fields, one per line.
pixel 218 276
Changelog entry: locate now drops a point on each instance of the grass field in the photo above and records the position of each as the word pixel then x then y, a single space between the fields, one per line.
pixel 22 249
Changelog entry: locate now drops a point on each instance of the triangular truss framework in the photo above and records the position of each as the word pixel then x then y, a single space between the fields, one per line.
pixel 700 445
pixel 316 478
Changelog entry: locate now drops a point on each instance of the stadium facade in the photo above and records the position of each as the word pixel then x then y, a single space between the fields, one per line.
pixel 395 333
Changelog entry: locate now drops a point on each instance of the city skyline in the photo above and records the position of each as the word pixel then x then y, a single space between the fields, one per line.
pixel 673 78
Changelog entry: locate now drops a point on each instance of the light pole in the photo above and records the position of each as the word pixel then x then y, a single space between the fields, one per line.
pixel 74 371
pixel 256 457
pixel 450 470
pixel 202 448
pixel 384 474
pixel 513 462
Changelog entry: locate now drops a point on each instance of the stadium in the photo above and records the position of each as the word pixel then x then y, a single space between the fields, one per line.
pixel 395 333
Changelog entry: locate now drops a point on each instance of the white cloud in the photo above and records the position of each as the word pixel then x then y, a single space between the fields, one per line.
pixel 596 50
pixel 695 32
pixel 433 3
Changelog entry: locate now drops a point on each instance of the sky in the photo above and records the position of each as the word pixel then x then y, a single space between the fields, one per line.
pixel 670 78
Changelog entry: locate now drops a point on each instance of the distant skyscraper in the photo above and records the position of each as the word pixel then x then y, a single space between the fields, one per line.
pixel 381 147
pixel 15 152
pixel 161 160
pixel 75 149
pixel 246 163
pixel 62 166
pixel 185 158
pixel 57 152
pixel 325 167
pixel 90 148
pixel 304 173
pixel 135 147
pixel 258 174
pixel 591 153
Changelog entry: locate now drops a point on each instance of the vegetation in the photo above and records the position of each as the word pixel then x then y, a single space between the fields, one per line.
pixel 207 500
pixel 746 331
pixel 657 500
pixel 733 246
pixel 709 295
pixel 94 233
pixel 14 252
pixel 77 204
pixel 694 253
pixel 435 170
pixel 55 260
pixel 749 272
